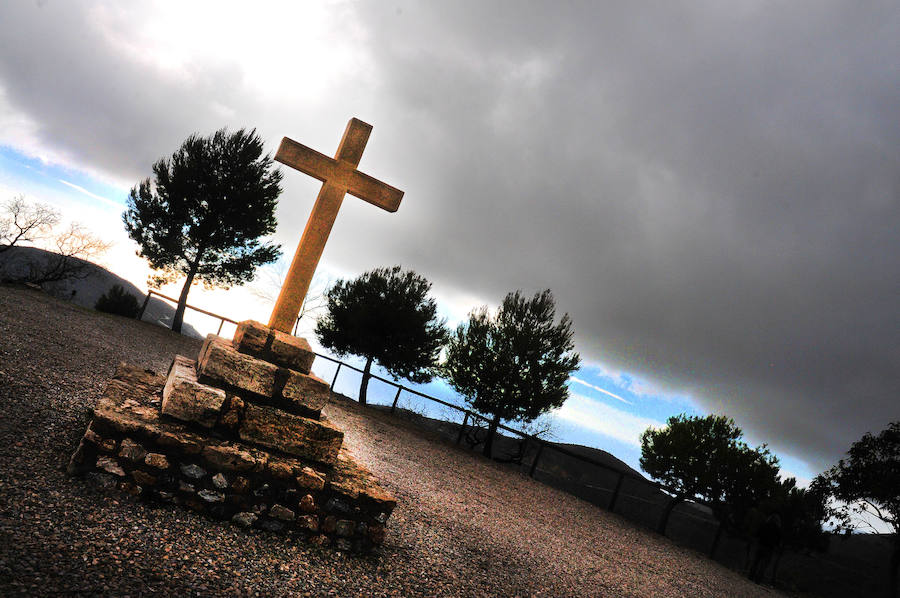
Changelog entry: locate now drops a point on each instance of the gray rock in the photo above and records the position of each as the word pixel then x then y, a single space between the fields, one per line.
pixel 219 481
pixel 245 519
pixel 283 513
pixel 195 472
pixel 211 496
pixel 109 465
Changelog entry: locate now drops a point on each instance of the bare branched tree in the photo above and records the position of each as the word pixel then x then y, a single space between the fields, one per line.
pixel 74 247
pixel 268 282
pixel 22 222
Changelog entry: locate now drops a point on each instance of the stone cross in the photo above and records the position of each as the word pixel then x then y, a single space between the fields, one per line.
pixel 339 176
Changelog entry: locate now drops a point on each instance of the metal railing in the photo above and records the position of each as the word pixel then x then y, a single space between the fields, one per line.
pixel 151 292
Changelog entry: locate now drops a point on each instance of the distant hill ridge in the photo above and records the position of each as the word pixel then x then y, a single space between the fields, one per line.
pixel 85 291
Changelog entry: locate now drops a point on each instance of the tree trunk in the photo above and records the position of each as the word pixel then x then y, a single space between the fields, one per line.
pixel 364 386
pixel 894 568
pixel 664 520
pixel 492 431
pixel 716 540
pixel 182 300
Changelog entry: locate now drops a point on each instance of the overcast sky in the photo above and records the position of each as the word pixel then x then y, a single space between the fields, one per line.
pixel 710 189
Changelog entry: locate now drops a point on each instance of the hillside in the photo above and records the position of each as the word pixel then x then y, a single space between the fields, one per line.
pixel 85 291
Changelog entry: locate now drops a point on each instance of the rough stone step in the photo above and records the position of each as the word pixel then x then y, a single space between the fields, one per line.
pixel 292 434
pixel 220 364
pixel 186 399
pixel 274 346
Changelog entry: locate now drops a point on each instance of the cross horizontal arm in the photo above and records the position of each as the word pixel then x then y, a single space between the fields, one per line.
pixel 306 160
pixel 374 191
pixel 328 170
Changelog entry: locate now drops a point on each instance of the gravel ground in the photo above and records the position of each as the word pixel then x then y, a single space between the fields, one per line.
pixel 464 526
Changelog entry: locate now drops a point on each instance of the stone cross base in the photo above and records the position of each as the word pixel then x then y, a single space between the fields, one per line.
pixel 237 435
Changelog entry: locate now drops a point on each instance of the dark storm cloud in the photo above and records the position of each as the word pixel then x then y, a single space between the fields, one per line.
pixel 711 191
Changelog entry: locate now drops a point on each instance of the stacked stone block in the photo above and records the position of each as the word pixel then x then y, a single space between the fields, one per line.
pixel 237 434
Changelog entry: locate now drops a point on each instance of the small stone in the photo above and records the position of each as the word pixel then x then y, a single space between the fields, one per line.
pixel 232 458
pixel 156 460
pixel 308 522
pixel 311 479
pixel 220 481
pixel 344 528
pixel 185 487
pixel 328 526
pixel 166 496
pixel 108 445
pixel 280 469
pixel 109 465
pixel 195 472
pixel 259 508
pixel 335 505
pixel 308 504
pixel 272 525
pixel 185 442
pixel 240 484
pixel 245 519
pixel 381 517
pixel 343 545
pixel 131 450
pixel 231 419
pixel 143 478
pixel 320 540
pixel 211 496
pixel 280 512
pixel 263 490
pixel 129 488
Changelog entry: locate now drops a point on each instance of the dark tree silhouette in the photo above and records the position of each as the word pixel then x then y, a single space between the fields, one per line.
pixel 867 484
pixel 514 365
pixel 205 212
pixel 704 458
pixel 384 315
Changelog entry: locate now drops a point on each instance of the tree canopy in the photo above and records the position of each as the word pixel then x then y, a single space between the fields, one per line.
pixel 704 458
pixel 203 215
pixel 384 315
pixel 515 364
pixel 867 484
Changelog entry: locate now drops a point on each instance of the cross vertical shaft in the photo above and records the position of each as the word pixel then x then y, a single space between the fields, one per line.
pixel 339 176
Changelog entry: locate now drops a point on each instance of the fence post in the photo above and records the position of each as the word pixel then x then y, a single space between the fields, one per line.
pixel 336 372
pixel 219 331
pixel 144 306
pixel 535 462
pixel 462 428
pixel 615 496
pixel 396 396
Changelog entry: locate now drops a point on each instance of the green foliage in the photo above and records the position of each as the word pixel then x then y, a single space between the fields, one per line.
pixel 868 480
pixel 704 458
pixel 513 365
pixel 205 212
pixel 867 484
pixel 385 315
pixel 117 301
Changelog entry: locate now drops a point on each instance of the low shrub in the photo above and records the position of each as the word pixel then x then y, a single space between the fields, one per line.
pixel 117 301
